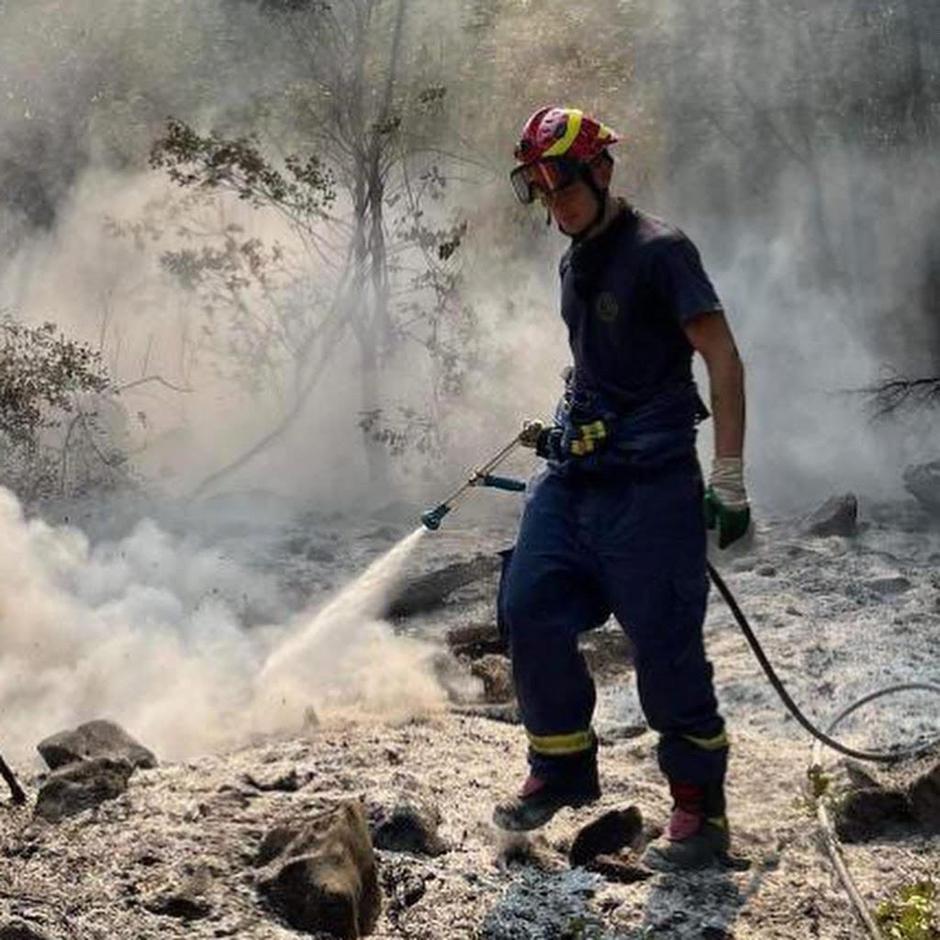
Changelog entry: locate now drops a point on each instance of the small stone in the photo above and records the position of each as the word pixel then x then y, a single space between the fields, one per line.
pixel 622 733
pixel 924 794
pixel 837 516
pixel 404 886
pixel 495 672
pixel 622 869
pixel 77 787
pixel 868 813
pixel 20 930
pixel 897 585
pixel 407 824
pixel 606 835
pixel 766 571
pixel 179 904
pixel 287 782
pixel 859 776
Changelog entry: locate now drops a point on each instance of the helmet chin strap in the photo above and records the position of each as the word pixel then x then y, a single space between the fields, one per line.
pixel 600 196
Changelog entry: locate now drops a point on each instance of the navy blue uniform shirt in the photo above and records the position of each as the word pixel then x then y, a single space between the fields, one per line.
pixel 625 296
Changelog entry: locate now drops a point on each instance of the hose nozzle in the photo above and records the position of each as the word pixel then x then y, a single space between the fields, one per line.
pixel 433 517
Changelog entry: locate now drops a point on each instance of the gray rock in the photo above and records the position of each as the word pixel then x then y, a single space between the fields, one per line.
pixel 623 733
pixel 323 876
pixel 896 585
pixel 430 591
pixel 606 835
pixel 181 904
pixel 403 886
pixel 869 813
pixel 837 516
pixel 94 739
pixel 922 481
pixel 495 672
pixel 406 823
pixel 77 787
pixel 859 776
pixel 924 795
pixel 20 930
pixel 288 781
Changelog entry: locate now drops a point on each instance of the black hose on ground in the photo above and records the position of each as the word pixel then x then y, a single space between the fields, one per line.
pixel 886 757
pixel 827 832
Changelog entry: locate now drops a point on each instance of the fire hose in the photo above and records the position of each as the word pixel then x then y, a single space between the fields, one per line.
pixel 484 477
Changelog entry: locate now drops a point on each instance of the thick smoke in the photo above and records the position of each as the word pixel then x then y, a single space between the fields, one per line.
pixel 747 130
pixel 148 630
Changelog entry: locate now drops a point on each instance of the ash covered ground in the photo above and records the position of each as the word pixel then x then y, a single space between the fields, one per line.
pixel 175 854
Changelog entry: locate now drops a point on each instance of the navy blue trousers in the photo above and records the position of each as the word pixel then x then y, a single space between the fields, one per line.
pixel 633 545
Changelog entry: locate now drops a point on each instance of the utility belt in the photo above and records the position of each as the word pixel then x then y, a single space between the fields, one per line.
pixel 590 431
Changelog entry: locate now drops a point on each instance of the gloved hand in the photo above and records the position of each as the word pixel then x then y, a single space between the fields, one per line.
pixel 726 505
pixel 531 431
pixel 546 441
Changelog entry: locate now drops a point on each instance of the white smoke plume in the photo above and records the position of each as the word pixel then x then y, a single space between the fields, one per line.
pixel 145 631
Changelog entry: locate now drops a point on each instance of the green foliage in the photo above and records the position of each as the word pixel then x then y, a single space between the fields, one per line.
pixel 44 378
pixel 405 430
pixel 911 914
pixel 213 162
pixel 40 372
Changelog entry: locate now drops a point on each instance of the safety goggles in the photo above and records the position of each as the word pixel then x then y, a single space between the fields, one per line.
pixel 544 177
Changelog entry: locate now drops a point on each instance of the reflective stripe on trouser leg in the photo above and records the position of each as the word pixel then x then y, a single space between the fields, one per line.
pixel 548 596
pixel 714 743
pixel 558 745
pixel 652 547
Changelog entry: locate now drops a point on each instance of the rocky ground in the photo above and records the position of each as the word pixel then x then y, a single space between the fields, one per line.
pixel 184 849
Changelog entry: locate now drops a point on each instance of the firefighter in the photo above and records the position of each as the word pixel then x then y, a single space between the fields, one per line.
pixel 616 522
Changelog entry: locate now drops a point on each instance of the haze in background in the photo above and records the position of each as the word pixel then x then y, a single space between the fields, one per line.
pixel 797 160
pixel 794 142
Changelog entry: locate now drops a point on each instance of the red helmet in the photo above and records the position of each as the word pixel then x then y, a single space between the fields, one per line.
pixel 563 132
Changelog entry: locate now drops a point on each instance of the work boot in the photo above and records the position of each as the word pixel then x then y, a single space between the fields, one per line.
pixel 693 839
pixel 541 797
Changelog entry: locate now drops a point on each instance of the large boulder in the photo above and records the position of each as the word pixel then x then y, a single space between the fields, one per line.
pixel 322 875
pixel 94 739
pixel 837 516
pixel 80 786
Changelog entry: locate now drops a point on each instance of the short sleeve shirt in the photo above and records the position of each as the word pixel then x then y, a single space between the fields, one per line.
pixel 625 296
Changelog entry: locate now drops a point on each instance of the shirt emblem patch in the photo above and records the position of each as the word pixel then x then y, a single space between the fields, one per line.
pixel 606 307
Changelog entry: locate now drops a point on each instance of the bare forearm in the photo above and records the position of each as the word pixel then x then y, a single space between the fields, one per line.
pixel 726 387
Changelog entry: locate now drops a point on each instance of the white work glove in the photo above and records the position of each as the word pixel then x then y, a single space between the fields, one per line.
pixel 726 505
